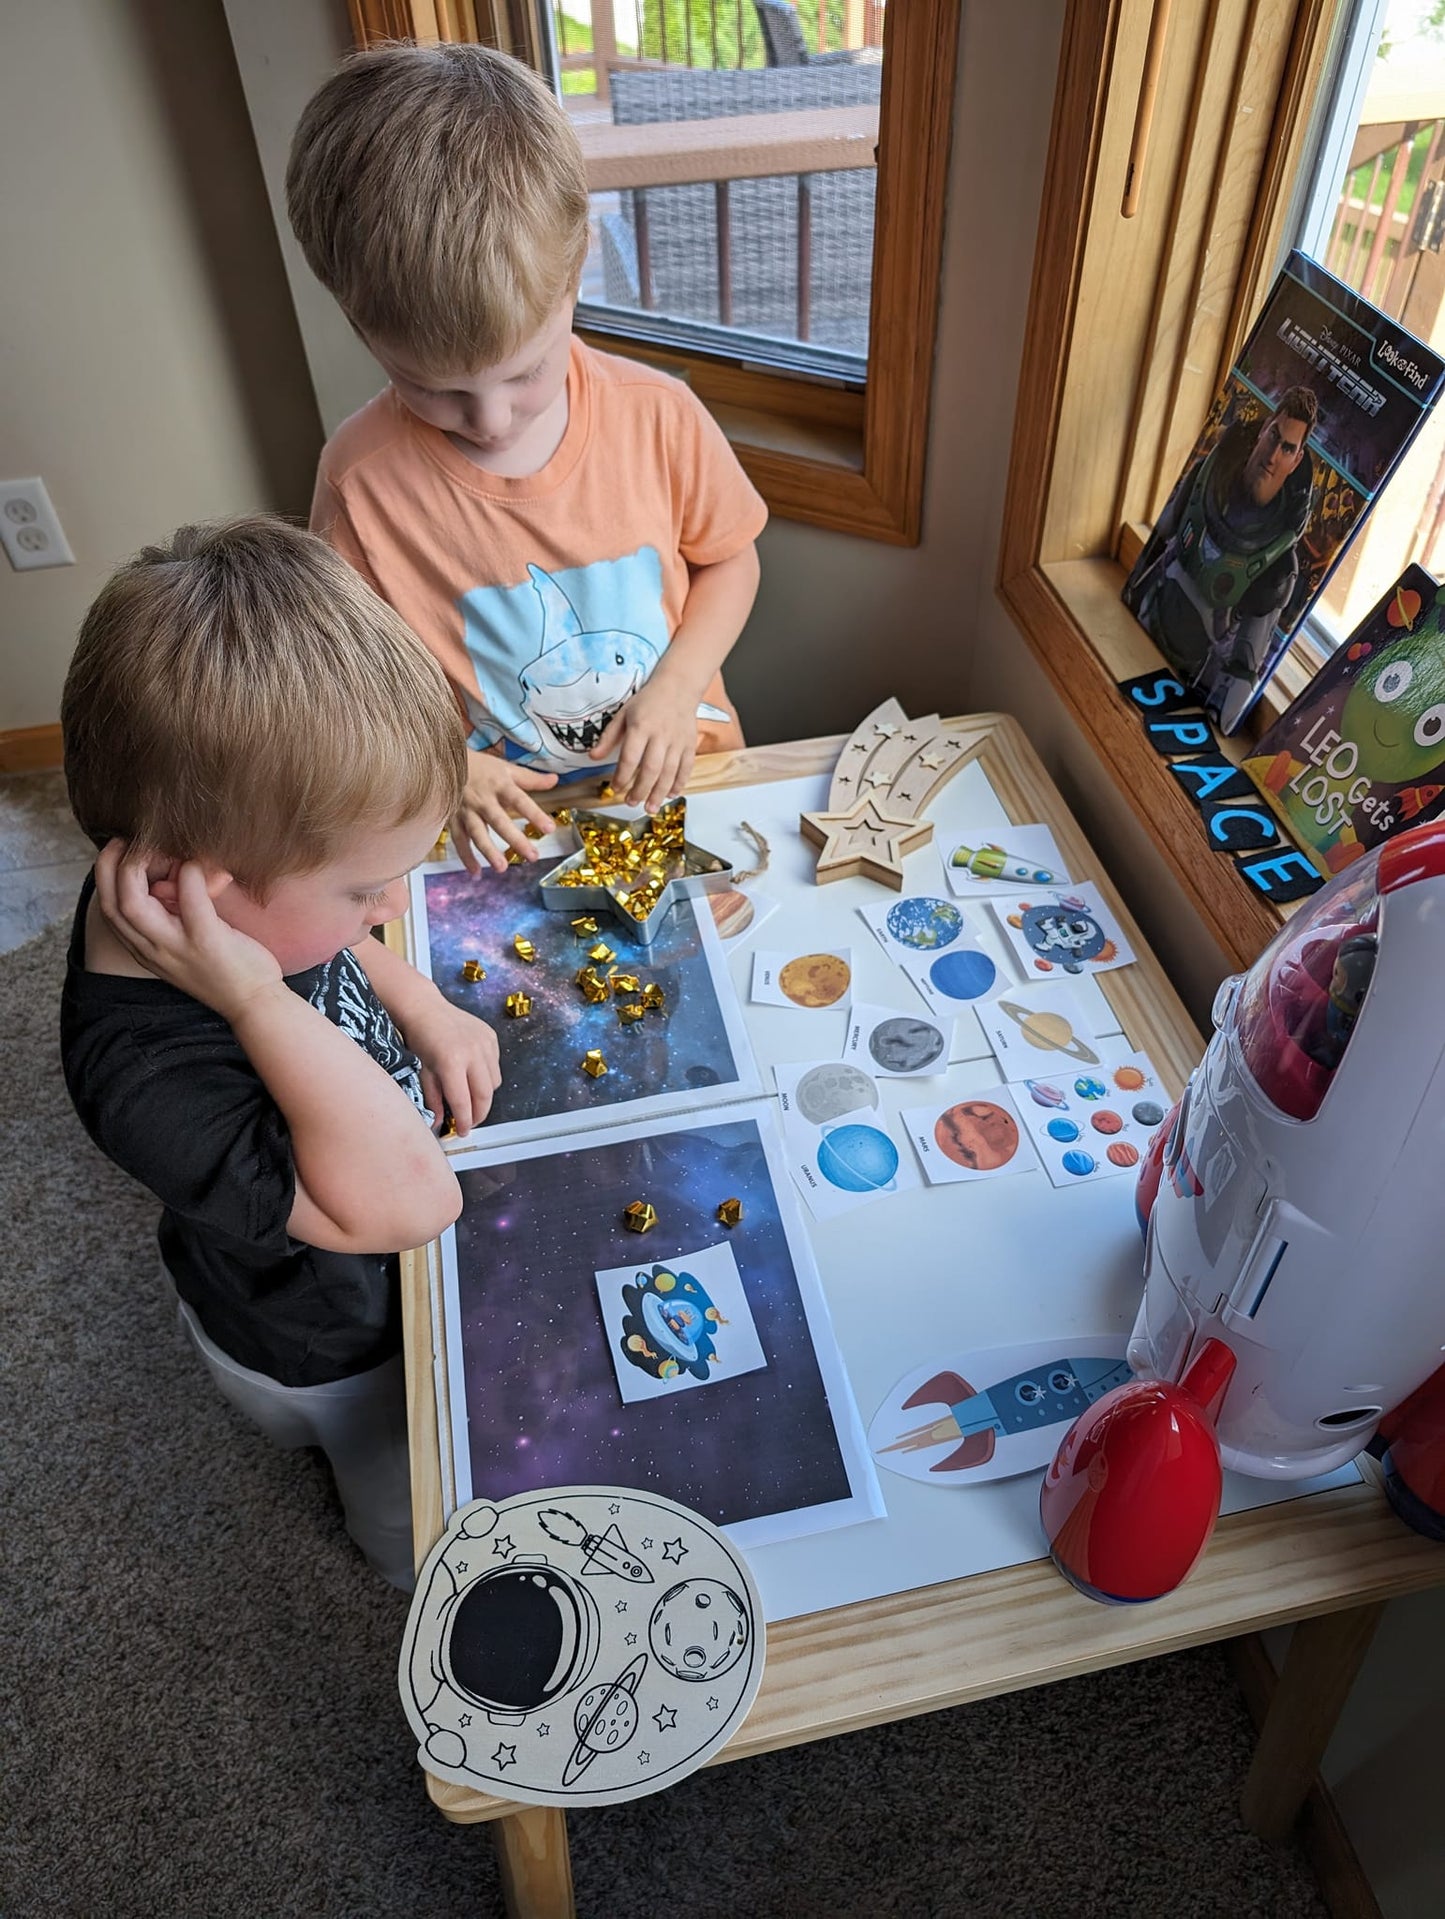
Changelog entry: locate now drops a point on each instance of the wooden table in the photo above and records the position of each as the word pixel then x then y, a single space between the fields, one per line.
pixel 1325 1564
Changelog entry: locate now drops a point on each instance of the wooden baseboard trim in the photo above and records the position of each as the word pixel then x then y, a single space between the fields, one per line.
pixel 29 749
pixel 1321 1832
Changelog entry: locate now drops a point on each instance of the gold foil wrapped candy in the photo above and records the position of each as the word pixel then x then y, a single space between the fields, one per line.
pixel 625 982
pixel 584 926
pixel 472 971
pixel 730 1212
pixel 629 1015
pixel 639 1217
pixel 518 1005
pixel 602 953
pixel 524 949
pixel 653 997
pixel 594 988
pixel 593 1064
pixel 563 816
pixel 636 866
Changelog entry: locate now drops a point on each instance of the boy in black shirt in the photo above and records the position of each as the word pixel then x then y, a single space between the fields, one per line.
pixel 262 751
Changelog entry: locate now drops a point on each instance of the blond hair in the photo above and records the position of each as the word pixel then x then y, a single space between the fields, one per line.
pixel 240 694
pixel 439 193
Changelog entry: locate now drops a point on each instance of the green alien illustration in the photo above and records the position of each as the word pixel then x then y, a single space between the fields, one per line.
pixel 1395 711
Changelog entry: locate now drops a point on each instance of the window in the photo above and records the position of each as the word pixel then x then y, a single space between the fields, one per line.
pixel 1133 319
pixel 768 181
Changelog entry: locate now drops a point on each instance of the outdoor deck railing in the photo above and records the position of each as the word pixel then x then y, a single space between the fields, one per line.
pixel 691 33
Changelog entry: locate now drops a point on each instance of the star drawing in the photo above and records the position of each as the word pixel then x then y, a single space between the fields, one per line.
pixel 543 1729
pixel 464 1719
pixel 501 1547
pixel 713 1704
pixel 674 1551
pixel 644 1759
pixel 503 1757
pixel 621 1606
pixel 665 1718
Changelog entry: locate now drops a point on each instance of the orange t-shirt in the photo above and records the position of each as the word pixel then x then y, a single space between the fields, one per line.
pixel 547 600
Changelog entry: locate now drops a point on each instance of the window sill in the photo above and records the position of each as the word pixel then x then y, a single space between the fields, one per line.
pixel 1086 639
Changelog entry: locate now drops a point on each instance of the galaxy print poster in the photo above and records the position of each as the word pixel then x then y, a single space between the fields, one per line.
pixel 532 1397
pixel 694 1045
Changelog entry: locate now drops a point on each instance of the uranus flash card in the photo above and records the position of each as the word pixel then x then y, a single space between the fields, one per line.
pixel 967 1139
pixel 677 1324
pixel 1058 933
pixel 803 979
pixel 897 1045
pixel 841 1150
pixel 986 862
pixel 1037 1029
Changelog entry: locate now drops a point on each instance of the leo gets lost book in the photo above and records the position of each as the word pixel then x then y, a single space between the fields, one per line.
pixel 1314 416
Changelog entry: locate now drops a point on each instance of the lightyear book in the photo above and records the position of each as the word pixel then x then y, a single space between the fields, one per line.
pixel 1314 416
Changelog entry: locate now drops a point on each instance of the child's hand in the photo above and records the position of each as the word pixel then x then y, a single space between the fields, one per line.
pixel 459 1066
pixel 654 741
pixel 191 948
pixel 497 791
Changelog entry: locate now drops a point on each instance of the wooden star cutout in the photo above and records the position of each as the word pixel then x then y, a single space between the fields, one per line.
pixel 931 760
pixel 864 840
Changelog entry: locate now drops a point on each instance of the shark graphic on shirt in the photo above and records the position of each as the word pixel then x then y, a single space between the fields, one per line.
pixel 558 657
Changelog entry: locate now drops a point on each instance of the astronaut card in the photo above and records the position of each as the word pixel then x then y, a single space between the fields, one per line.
pixel 1057 934
pixel 678 1323
pixel 1096 1123
pixel 897 1045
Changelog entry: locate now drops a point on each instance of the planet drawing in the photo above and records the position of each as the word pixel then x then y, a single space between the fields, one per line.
pixel 1121 1153
pixel 963 975
pixel 1105 1121
pixel 1078 1163
pixel 698 1629
pixel 1062 1130
pixel 827 1092
pixel 605 1719
pixel 925 924
pixel 732 912
pixel 1042 1094
pixel 815 979
pixel 1147 1113
pixel 1129 1079
pixel 905 1045
pixel 978 1135
pixel 858 1159
pixel 1050 1032
pixel 1087 1088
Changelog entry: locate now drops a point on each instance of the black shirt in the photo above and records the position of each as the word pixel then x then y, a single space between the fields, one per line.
pixel 164 1089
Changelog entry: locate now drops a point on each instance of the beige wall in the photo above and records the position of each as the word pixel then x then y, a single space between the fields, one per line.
pixel 149 364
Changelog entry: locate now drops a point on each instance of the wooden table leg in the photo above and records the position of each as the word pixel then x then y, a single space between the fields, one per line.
pixel 1319 1669
pixel 536 1865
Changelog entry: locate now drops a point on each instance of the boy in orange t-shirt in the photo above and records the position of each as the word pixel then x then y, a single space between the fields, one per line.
pixel 568 532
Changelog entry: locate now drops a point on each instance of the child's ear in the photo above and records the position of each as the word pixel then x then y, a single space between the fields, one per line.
pixel 163 875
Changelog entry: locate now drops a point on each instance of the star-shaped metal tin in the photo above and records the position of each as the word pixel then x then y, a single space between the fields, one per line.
pixel 687 871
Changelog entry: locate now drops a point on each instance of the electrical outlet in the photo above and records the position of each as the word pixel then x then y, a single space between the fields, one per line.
pixel 29 529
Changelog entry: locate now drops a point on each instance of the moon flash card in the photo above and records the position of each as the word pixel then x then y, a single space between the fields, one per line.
pixel 579 1646
pixel 933 942
pixel 1094 1122
pixel 678 1323
pixel 1020 859
pixel 897 1045
pixel 841 1150
pixel 1057 933
pixel 803 979
pixel 975 1138
pixel 1037 1029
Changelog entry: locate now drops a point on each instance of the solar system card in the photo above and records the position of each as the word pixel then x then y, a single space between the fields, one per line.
pixel 531 1396
pixel 1093 1123
pixel 495 950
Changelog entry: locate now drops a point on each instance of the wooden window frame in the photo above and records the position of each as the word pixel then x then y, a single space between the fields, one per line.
pixel 849 461
pixel 1132 324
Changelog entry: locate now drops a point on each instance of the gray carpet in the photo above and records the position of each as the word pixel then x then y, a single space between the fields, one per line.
pixel 200 1709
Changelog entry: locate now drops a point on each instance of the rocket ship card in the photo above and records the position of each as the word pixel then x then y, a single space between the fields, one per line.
pixel 1360 755
pixel 989 862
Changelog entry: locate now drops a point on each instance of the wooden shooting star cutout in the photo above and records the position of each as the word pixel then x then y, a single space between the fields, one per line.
pixel 873 816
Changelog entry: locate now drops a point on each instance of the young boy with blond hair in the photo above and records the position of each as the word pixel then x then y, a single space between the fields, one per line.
pixel 262 751
pixel 568 532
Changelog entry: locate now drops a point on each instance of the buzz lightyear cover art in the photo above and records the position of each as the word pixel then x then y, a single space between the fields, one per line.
pixel 1314 416
pixel 1360 754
